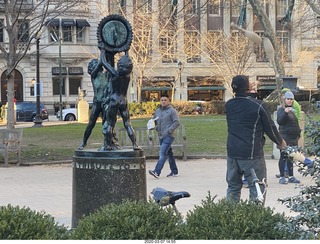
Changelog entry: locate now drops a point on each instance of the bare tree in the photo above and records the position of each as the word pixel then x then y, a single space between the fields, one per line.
pixel 155 35
pixel 24 20
pixel 259 11
pixel 229 54
pixel 314 4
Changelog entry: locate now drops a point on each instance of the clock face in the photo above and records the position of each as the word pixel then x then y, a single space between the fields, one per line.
pixel 114 34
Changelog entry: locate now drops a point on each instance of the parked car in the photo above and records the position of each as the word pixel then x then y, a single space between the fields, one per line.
pixel 27 111
pixel 68 114
pixel 71 114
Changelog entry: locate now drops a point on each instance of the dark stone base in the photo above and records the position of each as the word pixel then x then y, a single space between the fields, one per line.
pixel 100 178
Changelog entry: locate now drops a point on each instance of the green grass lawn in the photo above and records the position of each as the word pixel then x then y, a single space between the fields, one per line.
pixel 206 136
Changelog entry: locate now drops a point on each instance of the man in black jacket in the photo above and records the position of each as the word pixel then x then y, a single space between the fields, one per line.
pixel 248 120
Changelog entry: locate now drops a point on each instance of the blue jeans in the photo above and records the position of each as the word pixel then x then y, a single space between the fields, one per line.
pixel 166 152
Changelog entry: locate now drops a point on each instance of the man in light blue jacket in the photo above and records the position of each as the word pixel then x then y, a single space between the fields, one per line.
pixel 166 120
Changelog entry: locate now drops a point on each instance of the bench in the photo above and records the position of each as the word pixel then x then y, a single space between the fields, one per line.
pixel 10 141
pixel 148 140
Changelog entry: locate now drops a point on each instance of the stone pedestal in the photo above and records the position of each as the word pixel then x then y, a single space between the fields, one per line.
pixel 5 113
pixel 100 178
pixel 83 111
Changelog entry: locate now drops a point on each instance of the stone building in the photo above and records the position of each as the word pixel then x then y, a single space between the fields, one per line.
pixel 176 49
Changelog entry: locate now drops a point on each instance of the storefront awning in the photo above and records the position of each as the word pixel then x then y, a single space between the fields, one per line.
pixel 164 88
pixel 82 23
pixel 53 23
pixel 204 88
pixel 68 22
pixel 267 87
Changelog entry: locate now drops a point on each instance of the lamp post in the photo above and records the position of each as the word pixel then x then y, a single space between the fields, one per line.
pixel 38 119
pixel 180 71
pixel 60 82
pixel 58 39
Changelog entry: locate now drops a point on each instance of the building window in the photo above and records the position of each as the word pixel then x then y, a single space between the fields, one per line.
pixel 166 8
pixel 238 47
pixel 81 26
pixel 285 45
pixel 56 86
pixel 74 84
pixel 191 7
pixel 54 34
pixel 214 45
pixel 144 6
pixel 67 33
pixel 69 28
pixel 214 7
pixel 23 32
pixel 259 50
pixel 167 46
pixel 1 30
pixel 205 88
pixel 53 26
pixel 80 34
pixel 282 6
pixel 235 8
pixel 192 46
pixel 318 27
pixel 143 41
pixel 116 7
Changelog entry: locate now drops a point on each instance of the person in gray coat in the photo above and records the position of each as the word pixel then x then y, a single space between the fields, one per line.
pixel 167 120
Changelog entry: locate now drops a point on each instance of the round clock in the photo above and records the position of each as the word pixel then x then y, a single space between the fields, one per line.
pixel 114 34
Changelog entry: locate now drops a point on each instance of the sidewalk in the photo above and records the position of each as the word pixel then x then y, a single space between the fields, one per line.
pixel 53 120
pixel 49 187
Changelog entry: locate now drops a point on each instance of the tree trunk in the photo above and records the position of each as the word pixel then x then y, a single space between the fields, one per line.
pixel 278 66
pixel 258 10
pixel 139 89
pixel 10 94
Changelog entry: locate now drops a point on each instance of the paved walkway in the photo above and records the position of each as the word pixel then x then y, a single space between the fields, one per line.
pixel 53 120
pixel 49 187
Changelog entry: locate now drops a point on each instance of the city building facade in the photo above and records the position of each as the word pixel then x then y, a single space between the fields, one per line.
pixel 185 49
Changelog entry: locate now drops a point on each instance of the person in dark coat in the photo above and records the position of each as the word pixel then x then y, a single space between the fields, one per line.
pixel 248 121
pixel 290 131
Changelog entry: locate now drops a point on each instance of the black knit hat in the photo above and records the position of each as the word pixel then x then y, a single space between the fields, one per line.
pixel 240 84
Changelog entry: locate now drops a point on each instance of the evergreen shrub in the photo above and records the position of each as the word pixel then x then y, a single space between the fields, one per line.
pixel 129 220
pixel 149 107
pixel 135 109
pixel 307 203
pixel 225 220
pixel 24 224
pixel 184 107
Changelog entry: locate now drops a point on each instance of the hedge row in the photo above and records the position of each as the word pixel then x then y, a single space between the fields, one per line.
pixel 183 107
pixel 187 108
pixel 149 221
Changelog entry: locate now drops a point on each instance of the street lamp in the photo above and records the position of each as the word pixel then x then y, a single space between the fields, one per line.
pixel 56 39
pixel 180 71
pixel 38 119
pixel 60 82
